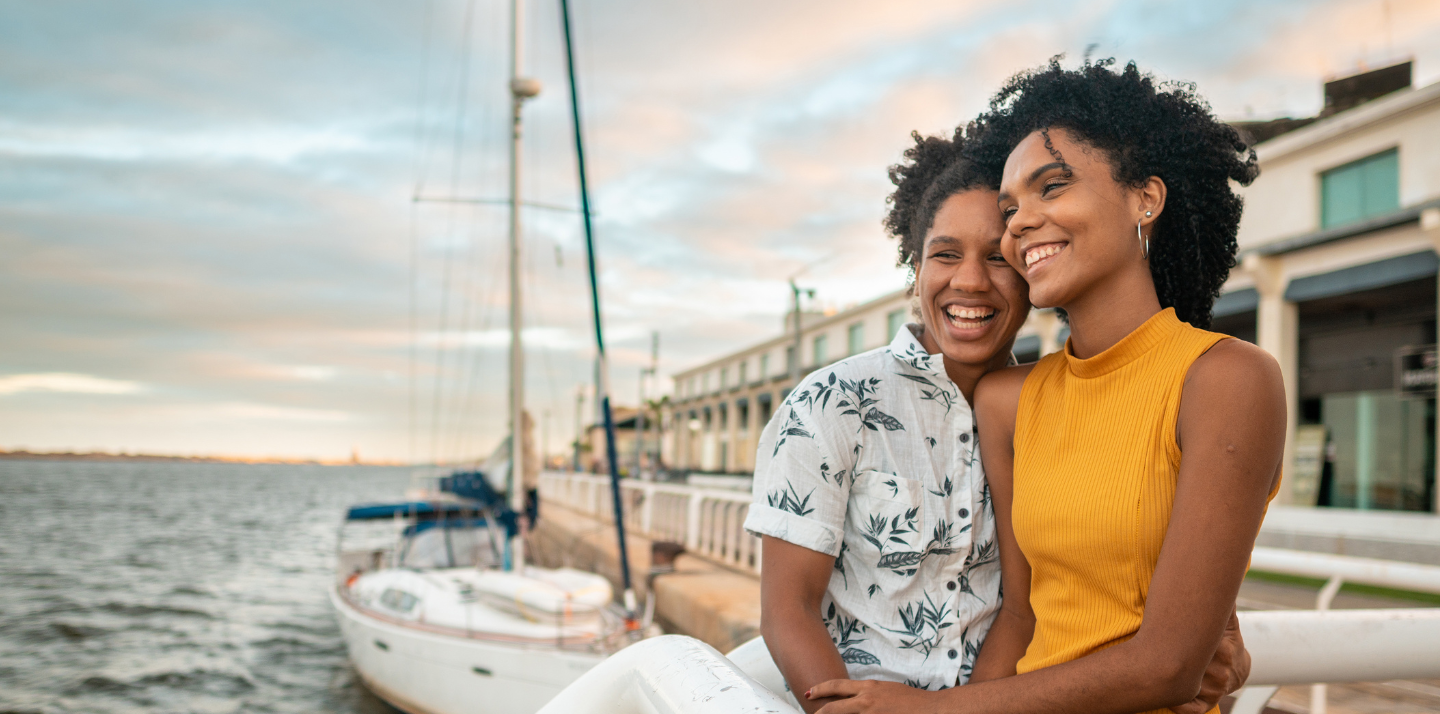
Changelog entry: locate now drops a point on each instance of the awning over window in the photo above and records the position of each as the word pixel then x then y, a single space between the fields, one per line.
pixel 1381 273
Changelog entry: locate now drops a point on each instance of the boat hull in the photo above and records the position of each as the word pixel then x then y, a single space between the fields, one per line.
pixel 424 672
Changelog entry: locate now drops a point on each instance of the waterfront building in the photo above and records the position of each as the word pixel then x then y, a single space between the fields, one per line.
pixel 1337 279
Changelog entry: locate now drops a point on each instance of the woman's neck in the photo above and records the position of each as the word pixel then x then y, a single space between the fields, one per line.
pixel 965 375
pixel 1111 311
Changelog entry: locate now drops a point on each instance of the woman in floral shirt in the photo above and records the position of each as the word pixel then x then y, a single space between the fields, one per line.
pixel 880 557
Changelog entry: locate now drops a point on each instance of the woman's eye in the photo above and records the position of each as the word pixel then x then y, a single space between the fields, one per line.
pixel 1007 213
pixel 1049 186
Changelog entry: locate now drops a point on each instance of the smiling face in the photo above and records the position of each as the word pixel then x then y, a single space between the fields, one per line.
pixel 971 301
pixel 1070 227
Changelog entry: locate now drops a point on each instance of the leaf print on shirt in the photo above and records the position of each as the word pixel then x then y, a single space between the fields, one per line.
pixel 942 542
pixel 882 531
pixel 840 563
pixel 923 623
pixel 792 427
pixel 844 632
pixel 936 393
pixel 972 651
pixel 853 398
pixel 789 500
pixel 984 554
pixel 825 474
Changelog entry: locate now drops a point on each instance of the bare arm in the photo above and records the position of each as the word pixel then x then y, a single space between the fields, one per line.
pixel 792 586
pixel 996 400
pixel 1232 429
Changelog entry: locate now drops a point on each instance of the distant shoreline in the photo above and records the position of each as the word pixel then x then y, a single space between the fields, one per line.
pixel 158 458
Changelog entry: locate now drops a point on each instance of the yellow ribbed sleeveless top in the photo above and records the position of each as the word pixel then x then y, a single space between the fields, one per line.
pixel 1094 476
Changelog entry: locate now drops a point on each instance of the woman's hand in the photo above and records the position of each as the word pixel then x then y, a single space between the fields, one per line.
pixel 868 696
pixel 1227 672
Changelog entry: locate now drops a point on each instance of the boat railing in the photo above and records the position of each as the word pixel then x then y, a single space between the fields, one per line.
pixel 709 522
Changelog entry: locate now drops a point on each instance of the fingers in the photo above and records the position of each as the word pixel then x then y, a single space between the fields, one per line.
pixel 834 688
pixel 850 706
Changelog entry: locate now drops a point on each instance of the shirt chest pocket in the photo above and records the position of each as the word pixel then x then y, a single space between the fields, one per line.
pixel 886 511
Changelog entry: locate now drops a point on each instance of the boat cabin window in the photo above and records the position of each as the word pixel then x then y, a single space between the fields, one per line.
pixel 450 547
pixel 398 600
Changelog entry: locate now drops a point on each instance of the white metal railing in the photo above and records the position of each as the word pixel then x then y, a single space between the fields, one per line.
pixel 710 522
pixel 1337 570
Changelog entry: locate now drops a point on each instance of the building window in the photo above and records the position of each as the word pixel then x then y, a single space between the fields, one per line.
pixel 855 338
pixel 691 389
pixel 764 365
pixel 724 377
pixel 790 359
pixel 707 418
pixel 1360 189
pixel 705 383
pixel 724 416
pixel 766 407
pixel 742 414
pixel 1378 451
pixel 894 320
pixel 741 381
pixel 819 349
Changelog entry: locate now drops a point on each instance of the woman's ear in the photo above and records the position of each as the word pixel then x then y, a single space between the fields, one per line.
pixel 1151 200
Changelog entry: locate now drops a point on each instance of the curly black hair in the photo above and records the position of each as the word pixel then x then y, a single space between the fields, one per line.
pixel 1145 128
pixel 934 170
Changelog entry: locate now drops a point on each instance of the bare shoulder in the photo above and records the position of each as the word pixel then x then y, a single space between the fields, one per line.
pixel 1233 368
pixel 998 393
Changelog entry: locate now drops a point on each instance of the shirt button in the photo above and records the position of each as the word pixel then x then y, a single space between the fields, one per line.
pixel 964 513
pixel 965 438
pixel 950 585
pixel 953 654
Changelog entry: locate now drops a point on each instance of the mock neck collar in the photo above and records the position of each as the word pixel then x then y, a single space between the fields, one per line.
pixel 1161 326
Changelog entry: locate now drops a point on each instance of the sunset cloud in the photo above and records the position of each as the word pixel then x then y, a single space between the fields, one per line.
pixel 209 229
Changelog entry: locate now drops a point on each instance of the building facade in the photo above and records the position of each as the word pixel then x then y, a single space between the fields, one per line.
pixel 1337 279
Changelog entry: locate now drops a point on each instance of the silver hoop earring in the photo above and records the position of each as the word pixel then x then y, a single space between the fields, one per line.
pixel 1144 244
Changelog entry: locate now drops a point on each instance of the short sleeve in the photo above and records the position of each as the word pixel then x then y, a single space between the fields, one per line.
pixel 803 468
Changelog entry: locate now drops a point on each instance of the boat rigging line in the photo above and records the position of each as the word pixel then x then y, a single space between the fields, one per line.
pixel 603 383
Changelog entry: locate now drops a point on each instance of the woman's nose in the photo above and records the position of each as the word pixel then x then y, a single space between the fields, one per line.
pixel 1022 220
pixel 970 277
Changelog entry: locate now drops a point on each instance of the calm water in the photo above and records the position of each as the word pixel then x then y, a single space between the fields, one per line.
pixel 129 587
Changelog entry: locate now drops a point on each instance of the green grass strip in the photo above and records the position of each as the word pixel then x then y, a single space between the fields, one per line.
pixel 1352 588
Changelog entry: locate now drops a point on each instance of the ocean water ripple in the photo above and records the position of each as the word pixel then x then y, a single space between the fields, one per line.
pixel 172 587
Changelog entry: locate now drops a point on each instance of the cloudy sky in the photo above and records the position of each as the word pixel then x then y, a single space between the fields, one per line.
pixel 210 244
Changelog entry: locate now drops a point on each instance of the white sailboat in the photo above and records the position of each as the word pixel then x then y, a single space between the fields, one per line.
pixel 448 617
pixel 438 624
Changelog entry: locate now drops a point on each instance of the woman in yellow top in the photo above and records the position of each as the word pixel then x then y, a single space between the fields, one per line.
pixel 1130 472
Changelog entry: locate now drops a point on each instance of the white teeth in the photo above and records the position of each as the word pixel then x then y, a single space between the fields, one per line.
pixel 1041 252
pixel 969 313
pixel 969 318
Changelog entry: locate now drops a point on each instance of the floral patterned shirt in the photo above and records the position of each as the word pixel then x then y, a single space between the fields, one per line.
pixel 874 460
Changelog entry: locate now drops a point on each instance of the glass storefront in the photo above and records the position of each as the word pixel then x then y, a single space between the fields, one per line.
pixel 1379 451
pixel 1361 442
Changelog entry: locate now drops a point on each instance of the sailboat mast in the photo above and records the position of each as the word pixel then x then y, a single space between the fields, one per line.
pixel 602 383
pixel 521 89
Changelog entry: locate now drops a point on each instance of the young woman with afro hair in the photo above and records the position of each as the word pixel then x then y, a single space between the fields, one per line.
pixel 1130 471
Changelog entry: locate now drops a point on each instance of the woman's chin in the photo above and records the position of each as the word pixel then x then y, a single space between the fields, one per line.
pixel 970 352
